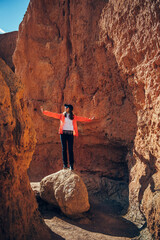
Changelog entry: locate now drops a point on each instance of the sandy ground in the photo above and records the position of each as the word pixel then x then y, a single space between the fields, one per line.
pixel 100 223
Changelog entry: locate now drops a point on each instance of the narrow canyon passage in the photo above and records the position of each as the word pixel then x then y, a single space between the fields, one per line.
pixel 103 57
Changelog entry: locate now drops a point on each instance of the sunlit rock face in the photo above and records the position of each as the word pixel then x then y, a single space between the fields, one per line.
pixel 103 58
pixel 19 216
pixel 61 59
pixel 7 47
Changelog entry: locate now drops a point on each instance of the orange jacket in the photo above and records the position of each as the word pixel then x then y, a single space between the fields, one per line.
pixel 62 121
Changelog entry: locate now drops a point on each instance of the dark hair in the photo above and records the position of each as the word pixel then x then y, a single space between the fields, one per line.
pixel 71 115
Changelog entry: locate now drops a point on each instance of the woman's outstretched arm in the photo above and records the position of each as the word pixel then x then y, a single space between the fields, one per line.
pixel 51 114
pixel 83 119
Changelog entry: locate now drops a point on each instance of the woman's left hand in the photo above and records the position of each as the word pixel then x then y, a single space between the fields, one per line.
pixel 41 109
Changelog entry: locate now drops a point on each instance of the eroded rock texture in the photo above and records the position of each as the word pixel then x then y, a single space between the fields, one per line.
pixel 60 59
pixel 19 217
pixel 103 57
pixel 134 30
pixel 7 47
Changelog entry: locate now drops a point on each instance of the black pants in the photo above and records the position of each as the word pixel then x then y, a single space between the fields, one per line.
pixel 67 138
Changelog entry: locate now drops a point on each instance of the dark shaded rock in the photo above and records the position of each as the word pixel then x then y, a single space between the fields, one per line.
pixel 7 47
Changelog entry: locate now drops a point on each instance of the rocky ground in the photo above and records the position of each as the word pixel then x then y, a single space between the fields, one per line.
pixel 101 223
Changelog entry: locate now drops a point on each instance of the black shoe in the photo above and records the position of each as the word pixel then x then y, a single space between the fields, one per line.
pixel 64 167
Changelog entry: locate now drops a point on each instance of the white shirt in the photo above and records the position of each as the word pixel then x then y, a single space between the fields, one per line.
pixel 68 124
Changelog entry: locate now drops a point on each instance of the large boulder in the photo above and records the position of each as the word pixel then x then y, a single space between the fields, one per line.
pixel 67 190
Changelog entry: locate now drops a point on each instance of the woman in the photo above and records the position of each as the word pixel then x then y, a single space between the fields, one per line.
pixel 67 130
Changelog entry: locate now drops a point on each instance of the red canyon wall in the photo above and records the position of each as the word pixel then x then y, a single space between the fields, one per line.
pixel 19 216
pixel 7 47
pixel 102 57
pixel 134 29
pixel 60 59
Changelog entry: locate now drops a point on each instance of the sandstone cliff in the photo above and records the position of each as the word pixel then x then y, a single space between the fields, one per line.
pixel 60 59
pixel 102 57
pixel 7 47
pixel 19 216
pixel 134 30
